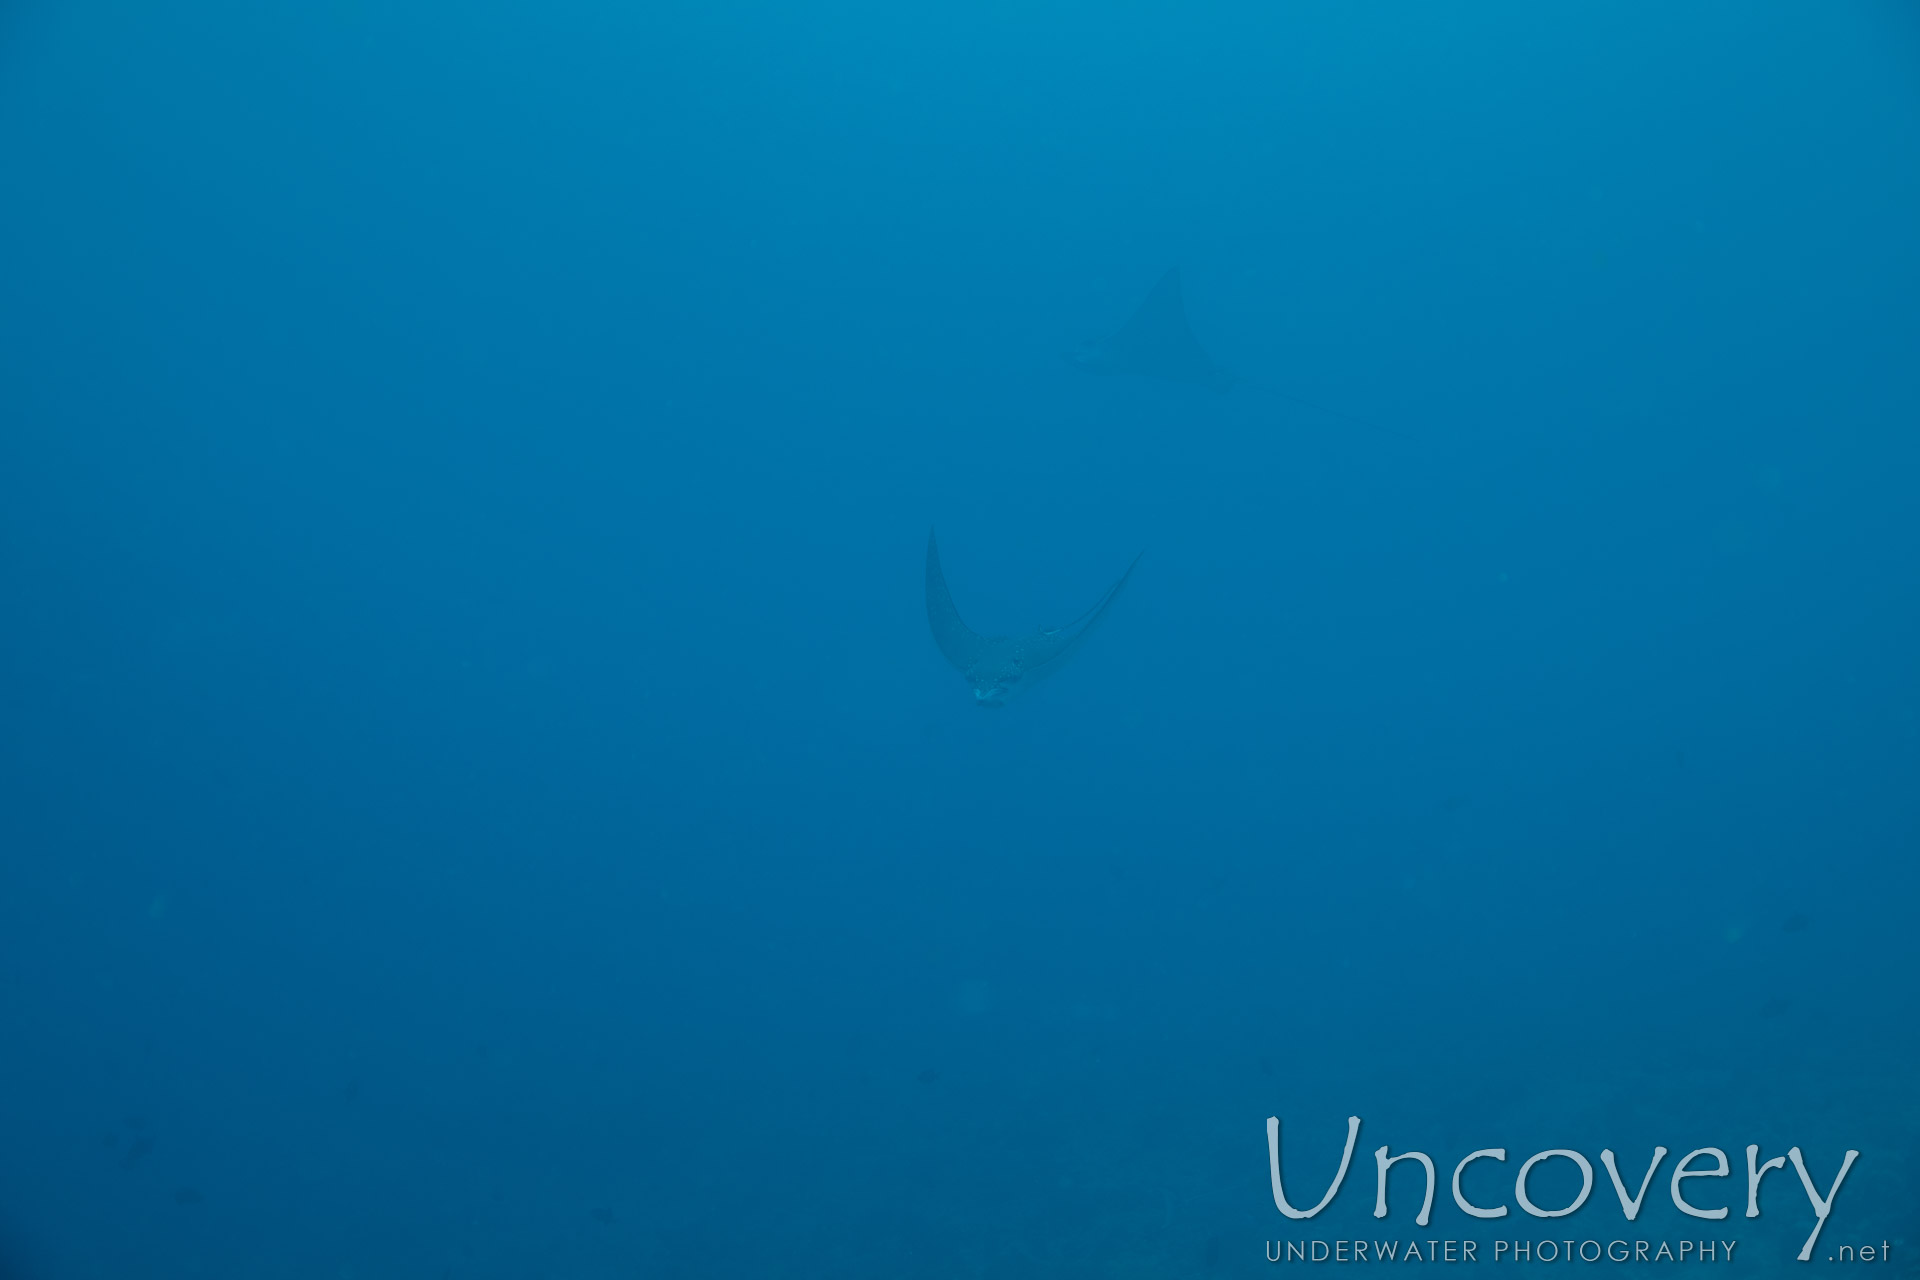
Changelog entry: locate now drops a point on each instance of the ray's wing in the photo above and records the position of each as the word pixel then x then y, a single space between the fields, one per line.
pixel 1045 653
pixel 956 640
pixel 1158 339
pixel 1159 321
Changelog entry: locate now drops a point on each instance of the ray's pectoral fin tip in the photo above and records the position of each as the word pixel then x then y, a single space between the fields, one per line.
pixel 998 666
pixel 1157 342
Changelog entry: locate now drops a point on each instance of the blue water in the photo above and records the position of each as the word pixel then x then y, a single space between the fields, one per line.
pixel 478 795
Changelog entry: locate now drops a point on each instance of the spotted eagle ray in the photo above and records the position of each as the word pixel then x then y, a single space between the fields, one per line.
pixel 998 666
pixel 1156 343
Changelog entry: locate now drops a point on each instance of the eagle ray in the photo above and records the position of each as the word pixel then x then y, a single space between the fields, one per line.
pixel 997 666
pixel 1156 342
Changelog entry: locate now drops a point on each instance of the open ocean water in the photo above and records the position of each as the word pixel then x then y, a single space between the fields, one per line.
pixel 485 788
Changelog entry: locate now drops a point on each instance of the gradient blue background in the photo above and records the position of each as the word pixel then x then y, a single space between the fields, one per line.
pixel 477 794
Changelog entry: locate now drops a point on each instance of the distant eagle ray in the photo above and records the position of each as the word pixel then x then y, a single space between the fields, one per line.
pixel 1156 343
pixel 999 666
pixel 1159 343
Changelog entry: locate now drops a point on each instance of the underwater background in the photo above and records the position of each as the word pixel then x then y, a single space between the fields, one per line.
pixel 478 794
